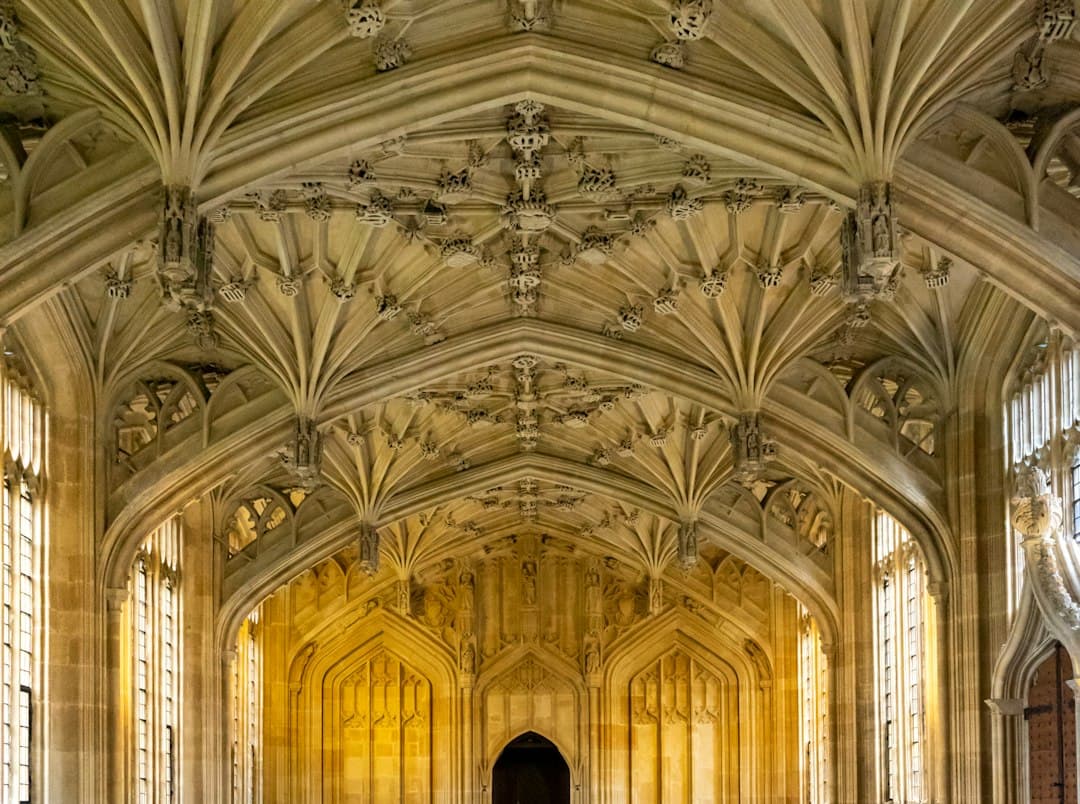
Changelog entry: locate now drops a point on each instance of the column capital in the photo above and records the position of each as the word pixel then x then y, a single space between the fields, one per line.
pixel 1007 707
pixel 939 590
pixel 115 598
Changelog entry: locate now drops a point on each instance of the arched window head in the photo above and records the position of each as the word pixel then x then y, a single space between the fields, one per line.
pixel 22 438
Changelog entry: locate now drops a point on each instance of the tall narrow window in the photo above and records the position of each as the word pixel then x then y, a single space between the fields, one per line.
pixel 1043 428
pixel 247 713
pixel 154 672
pixel 22 425
pixel 814 709
pixel 900 603
pixel 1074 486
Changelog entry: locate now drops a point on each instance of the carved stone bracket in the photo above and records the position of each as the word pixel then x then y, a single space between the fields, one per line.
pixel 368 541
pixel 1037 517
pixel 304 455
pixel 185 263
pixel 870 245
pixel 687 548
pixel 750 450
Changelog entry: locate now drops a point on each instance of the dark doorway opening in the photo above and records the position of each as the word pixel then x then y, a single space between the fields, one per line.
pixel 530 770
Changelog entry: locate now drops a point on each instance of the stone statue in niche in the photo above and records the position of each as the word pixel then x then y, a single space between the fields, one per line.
pixel 750 451
pixel 404 597
pixel 591 655
pixel 594 602
pixel 466 600
pixel 528 586
pixel 369 549
pixel 468 654
pixel 869 244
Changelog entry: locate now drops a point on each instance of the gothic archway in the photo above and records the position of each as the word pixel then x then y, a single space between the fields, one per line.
pixel 530 770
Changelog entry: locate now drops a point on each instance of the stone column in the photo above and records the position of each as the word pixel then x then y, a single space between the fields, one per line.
pixel 469 782
pixel 116 678
pixel 828 653
pixel 937 690
pixel 1006 725
pixel 591 766
pixel 228 736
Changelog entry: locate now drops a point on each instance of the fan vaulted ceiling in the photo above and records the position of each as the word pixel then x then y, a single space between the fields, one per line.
pixel 536 266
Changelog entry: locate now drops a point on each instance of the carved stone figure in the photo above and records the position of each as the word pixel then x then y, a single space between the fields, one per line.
pixel 528 586
pixel 369 549
pixel 687 548
pixel 468 654
pixel 869 244
pixel 591 655
pixel 750 451
pixel 304 456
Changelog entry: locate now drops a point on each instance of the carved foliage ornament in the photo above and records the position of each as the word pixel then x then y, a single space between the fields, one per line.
pixel 669 54
pixel 1037 516
pixel 529 15
pixel 1037 511
pixel 19 71
pixel 1056 19
pixel 365 18
pixel 391 53
pixel 689 18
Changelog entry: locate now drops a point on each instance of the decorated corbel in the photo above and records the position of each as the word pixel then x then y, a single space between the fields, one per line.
pixel 529 15
pixel 687 546
pixel 185 262
pixel 656 595
pixel 368 544
pixel 751 451
pixel 299 666
pixel 1037 517
pixel 870 246
pixel 303 456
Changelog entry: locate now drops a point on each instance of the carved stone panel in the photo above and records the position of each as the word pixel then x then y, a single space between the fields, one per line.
pixel 385 734
pixel 682 737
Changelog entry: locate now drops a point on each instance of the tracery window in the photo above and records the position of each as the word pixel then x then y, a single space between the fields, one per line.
pixel 814 712
pixel 900 656
pixel 1043 420
pixel 155 632
pixel 247 713
pixel 22 430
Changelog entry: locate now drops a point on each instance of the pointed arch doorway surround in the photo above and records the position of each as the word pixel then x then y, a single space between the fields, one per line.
pixel 530 770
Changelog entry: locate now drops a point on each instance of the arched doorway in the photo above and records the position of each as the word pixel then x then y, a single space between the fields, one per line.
pixel 530 770
pixel 1051 721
